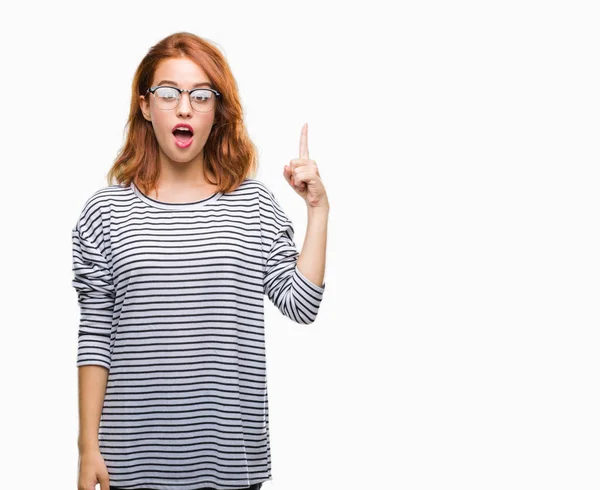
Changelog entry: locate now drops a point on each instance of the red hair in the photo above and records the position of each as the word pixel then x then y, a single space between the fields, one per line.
pixel 229 154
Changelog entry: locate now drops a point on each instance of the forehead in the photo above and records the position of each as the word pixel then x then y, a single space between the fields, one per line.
pixel 180 72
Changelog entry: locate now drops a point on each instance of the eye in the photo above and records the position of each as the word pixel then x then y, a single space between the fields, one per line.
pixel 167 93
pixel 201 95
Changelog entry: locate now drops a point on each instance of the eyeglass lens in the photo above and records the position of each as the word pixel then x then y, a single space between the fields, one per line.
pixel 168 98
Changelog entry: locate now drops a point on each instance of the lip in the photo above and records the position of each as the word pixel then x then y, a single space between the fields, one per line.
pixel 183 125
pixel 188 143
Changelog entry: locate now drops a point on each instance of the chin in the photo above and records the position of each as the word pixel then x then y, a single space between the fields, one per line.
pixel 181 154
pixel 183 157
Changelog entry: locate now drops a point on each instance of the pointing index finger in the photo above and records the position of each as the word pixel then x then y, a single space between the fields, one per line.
pixel 304 142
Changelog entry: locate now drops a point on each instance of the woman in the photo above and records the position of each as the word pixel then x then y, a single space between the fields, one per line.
pixel 171 266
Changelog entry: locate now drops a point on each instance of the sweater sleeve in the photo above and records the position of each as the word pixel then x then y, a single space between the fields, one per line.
pixel 93 282
pixel 286 287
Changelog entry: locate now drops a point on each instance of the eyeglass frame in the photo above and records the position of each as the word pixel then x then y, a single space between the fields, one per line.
pixel 181 90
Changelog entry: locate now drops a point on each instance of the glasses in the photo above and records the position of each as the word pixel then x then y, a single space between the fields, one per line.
pixel 168 98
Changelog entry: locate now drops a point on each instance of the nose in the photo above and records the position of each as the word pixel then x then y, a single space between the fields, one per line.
pixel 185 105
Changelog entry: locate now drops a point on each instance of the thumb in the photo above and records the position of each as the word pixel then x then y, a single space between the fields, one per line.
pixel 287 173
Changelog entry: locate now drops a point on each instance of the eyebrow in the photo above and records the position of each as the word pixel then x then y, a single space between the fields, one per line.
pixel 171 82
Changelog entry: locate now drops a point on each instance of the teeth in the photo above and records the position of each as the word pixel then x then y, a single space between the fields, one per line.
pixel 183 129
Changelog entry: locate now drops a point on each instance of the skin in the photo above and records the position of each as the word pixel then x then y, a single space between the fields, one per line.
pixel 302 174
pixel 181 177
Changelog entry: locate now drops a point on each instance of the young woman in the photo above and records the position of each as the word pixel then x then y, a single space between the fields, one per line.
pixel 171 265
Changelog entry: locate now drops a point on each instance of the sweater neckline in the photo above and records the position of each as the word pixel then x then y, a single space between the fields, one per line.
pixel 174 206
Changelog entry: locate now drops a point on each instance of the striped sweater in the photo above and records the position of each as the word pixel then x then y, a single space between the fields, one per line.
pixel 171 303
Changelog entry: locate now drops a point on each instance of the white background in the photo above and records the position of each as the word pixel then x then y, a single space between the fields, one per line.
pixel 457 345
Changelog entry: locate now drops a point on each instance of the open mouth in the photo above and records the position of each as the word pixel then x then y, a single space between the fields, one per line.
pixel 183 137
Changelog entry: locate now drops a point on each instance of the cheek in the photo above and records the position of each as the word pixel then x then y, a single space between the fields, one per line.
pixel 162 130
pixel 206 121
pixel 204 127
pixel 158 120
pixel 210 123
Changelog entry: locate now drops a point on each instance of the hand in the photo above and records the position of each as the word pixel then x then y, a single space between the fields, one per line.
pixel 303 175
pixel 92 470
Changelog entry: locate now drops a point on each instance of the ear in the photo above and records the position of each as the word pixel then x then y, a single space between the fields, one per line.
pixel 145 108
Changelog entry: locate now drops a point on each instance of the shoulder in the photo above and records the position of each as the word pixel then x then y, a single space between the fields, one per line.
pixel 106 194
pixel 259 192
pixel 256 186
pixel 98 205
pixel 265 194
pixel 271 210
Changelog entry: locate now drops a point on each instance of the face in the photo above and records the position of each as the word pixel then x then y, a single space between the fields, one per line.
pixel 185 73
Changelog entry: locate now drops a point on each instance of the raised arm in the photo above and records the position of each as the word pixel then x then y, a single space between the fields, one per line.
pixel 287 286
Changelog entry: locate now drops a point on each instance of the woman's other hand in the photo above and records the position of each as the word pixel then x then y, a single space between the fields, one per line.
pixel 92 470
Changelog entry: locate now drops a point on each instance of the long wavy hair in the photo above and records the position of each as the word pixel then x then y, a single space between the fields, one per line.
pixel 229 154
